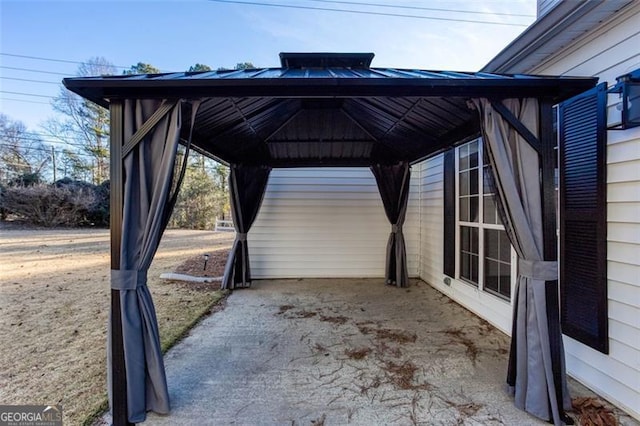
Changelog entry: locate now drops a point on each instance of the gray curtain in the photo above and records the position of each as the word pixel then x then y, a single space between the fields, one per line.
pixel 150 190
pixel 247 184
pixel 516 174
pixel 393 184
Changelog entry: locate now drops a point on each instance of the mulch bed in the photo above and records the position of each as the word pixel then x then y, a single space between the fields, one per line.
pixel 194 266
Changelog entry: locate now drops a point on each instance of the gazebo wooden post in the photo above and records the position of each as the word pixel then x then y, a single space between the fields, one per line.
pixel 549 226
pixel 118 369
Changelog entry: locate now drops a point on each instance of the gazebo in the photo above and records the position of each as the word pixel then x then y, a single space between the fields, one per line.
pixel 327 109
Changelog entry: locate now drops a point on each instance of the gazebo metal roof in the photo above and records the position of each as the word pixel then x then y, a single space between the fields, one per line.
pixel 328 108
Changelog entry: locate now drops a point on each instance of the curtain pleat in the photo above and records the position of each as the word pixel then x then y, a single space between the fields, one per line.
pixel 515 167
pixel 393 185
pixel 148 201
pixel 247 185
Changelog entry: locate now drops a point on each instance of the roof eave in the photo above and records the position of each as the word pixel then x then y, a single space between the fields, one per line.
pixel 545 29
pixel 100 90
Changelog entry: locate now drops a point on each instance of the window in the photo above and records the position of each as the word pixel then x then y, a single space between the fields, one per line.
pixel 484 252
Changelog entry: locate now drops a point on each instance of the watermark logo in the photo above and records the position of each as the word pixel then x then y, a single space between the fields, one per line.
pixel 30 415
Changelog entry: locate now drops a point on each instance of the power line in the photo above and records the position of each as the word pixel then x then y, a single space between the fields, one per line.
pixel 11 163
pixel 80 154
pixel 391 6
pixel 41 137
pixel 66 61
pixel 29 80
pixel 364 12
pixel 38 71
pixel 36 138
pixel 27 94
pixel 24 100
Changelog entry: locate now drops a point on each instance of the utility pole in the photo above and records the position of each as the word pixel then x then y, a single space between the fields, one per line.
pixel 53 159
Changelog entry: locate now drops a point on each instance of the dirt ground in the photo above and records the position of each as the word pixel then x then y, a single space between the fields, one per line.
pixel 54 298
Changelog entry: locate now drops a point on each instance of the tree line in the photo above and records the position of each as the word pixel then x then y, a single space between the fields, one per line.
pixel 71 151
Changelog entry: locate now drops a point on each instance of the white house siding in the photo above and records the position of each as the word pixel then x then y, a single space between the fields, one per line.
pixel 431 220
pixel 610 51
pixel 326 222
pixel 491 308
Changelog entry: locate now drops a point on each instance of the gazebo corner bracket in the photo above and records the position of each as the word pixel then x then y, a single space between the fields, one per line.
pixel 517 125
pixel 144 130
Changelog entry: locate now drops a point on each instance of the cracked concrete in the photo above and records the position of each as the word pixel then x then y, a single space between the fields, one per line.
pixel 340 351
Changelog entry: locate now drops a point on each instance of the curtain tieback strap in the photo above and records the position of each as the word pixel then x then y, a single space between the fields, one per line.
pixel 128 279
pixel 395 229
pixel 538 269
pixel 241 236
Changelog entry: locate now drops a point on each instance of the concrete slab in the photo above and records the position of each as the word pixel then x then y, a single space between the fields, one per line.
pixel 340 351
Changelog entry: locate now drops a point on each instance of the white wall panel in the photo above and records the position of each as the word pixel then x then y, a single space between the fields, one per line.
pixel 326 222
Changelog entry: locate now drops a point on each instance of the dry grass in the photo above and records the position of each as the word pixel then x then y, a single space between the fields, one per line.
pixel 54 298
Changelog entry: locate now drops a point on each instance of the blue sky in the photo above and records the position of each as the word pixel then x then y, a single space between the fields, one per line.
pixel 172 35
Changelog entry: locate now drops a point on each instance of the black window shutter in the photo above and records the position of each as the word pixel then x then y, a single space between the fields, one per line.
pixel 449 226
pixel 583 227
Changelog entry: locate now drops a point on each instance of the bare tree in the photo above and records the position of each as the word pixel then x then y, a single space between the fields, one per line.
pixel 83 124
pixel 23 156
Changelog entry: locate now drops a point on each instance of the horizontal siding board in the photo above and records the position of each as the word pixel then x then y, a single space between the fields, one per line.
pixel 623 272
pixel 625 353
pixel 624 233
pixel 622 373
pixel 626 314
pixel 628 171
pixel 624 293
pixel 610 55
pixel 622 252
pixel 624 333
pixel 584 54
pixel 625 140
pixel 623 212
pixel 624 151
pixel 623 192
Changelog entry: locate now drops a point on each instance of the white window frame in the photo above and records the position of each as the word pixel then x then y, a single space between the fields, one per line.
pixel 480 225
